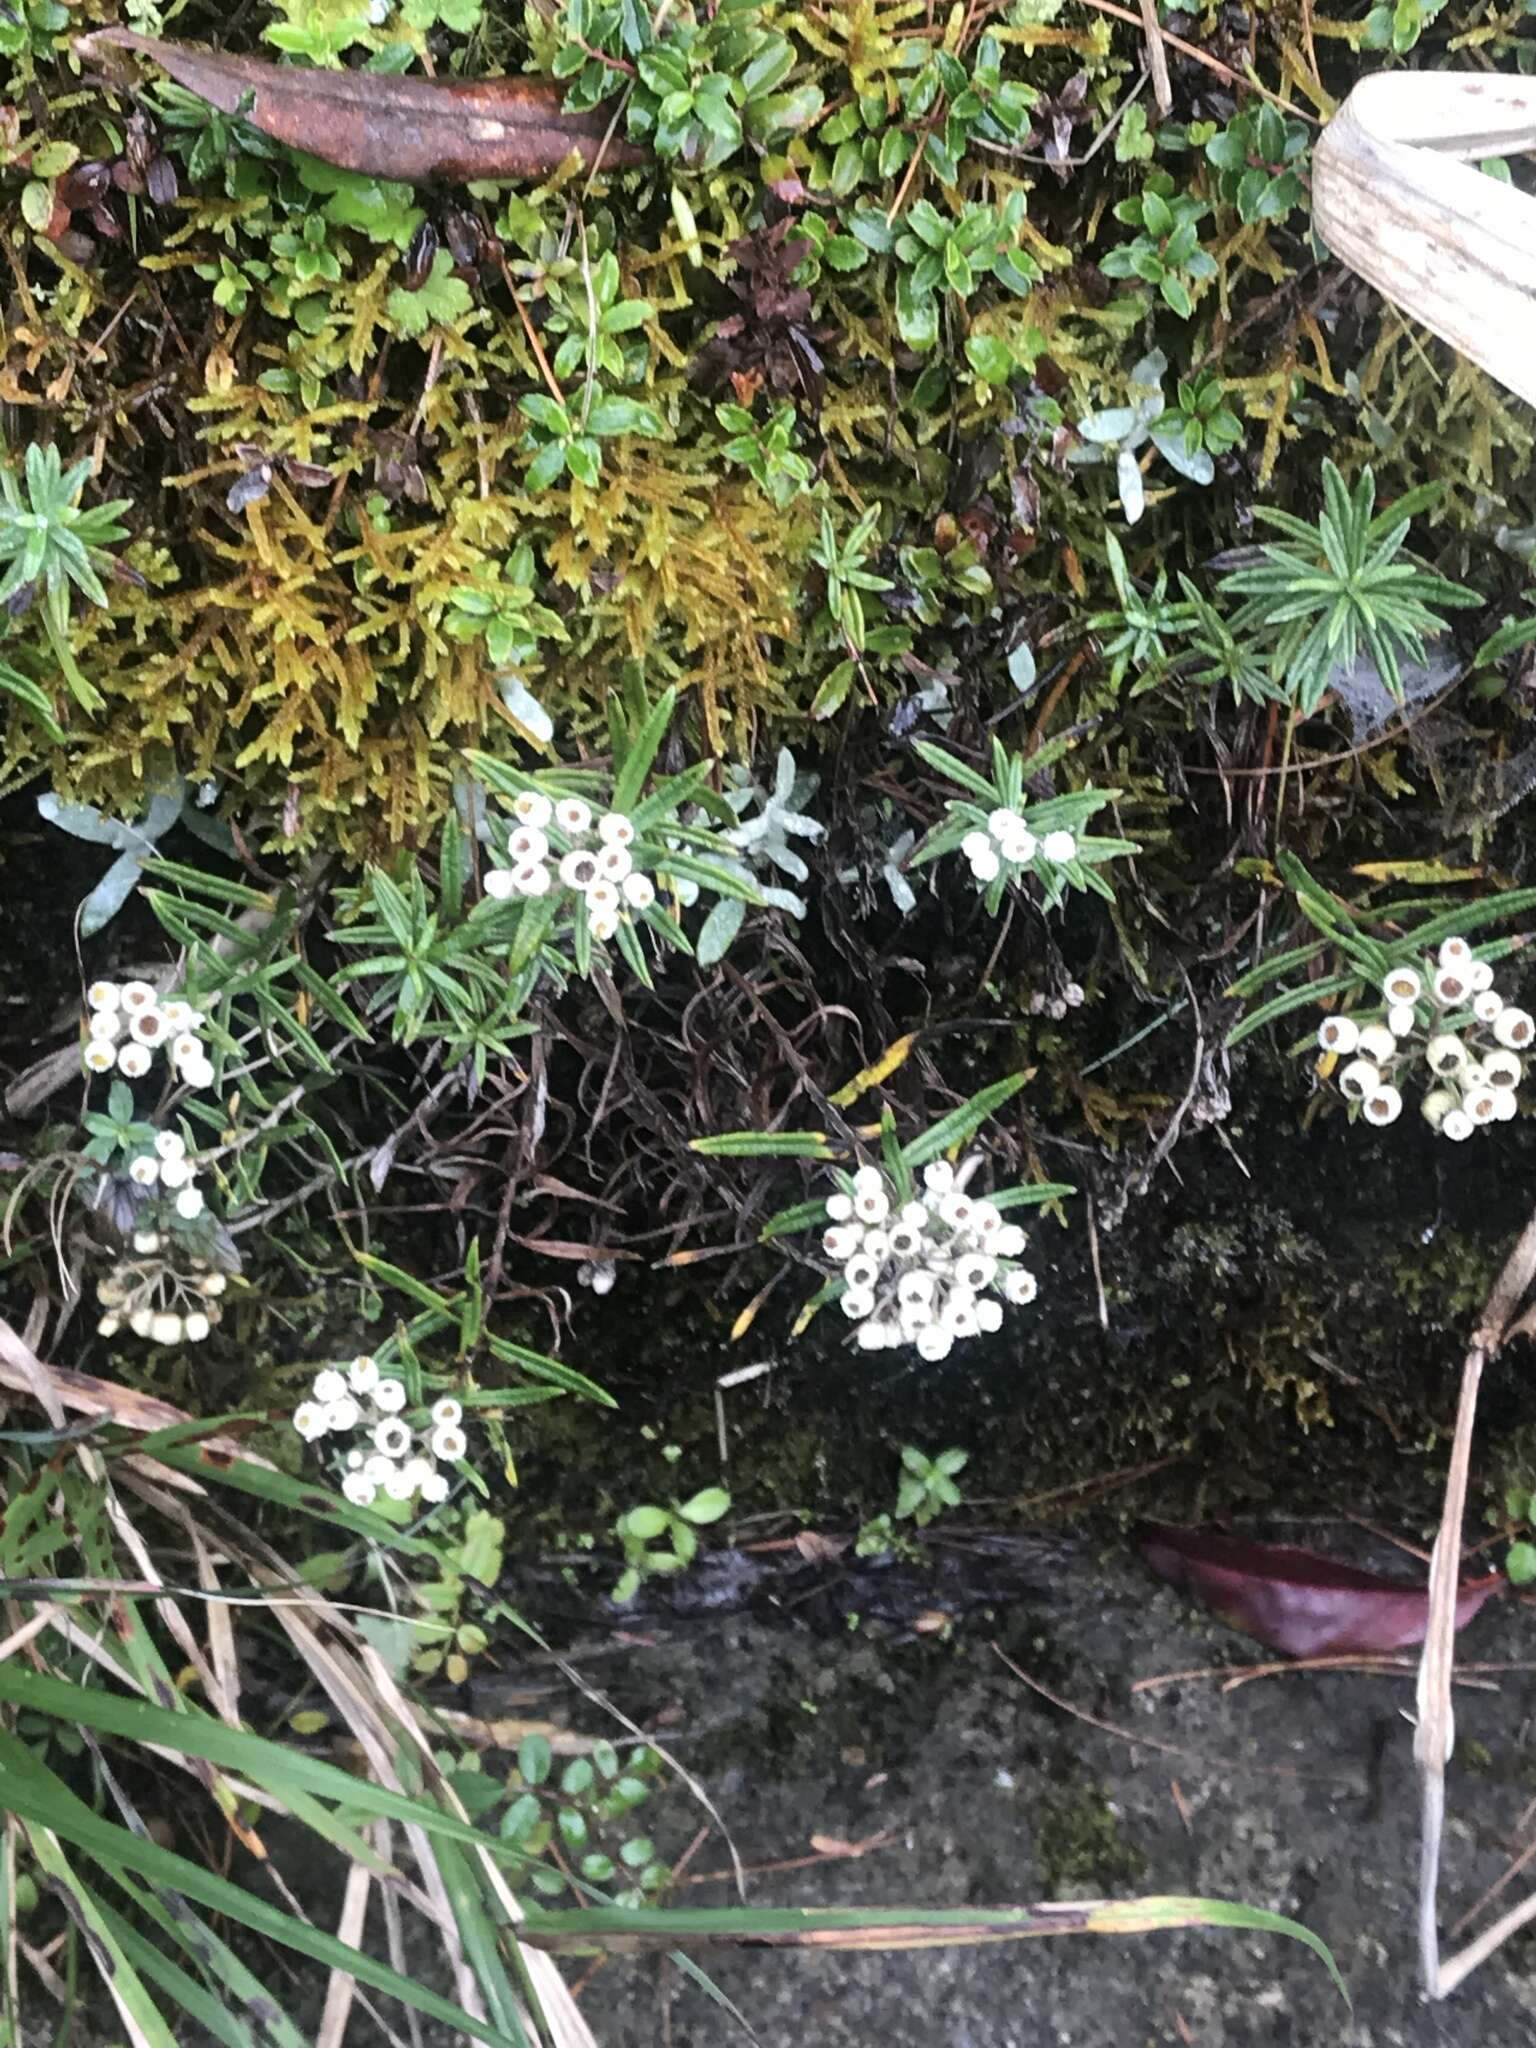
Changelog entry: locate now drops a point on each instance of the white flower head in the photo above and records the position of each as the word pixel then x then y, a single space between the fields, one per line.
pixel 934 1343
pixel 639 891
pixel 527 843
pixel 376 1470
pixel 1437 1105
pixel 105 1025
pixel 1383 1105
pixel 989 1316
pixel 103 995
pixel 614 863
pixel 187 1050
pixel 1019 848
pixel 916 1286
pixel 532 807
pixel 1004 823
pixel 871 1205
pixel 134 1060
pixel 140 1321
pixel 145 1170
pixel 939 1177
pixel 197 1326
pixel 868 1180
pixel 975 1271
pixel 531 878
pixel 956 1210
pixel 1377 1043
pixel 434 1488
pixel 170 1145
pixel 1446 1053
pixel 1487 1005
pixel 190 1204
pixel 449 1443
pixel 1020 1287
pixel 108 1325
pixel 986 866
pixel 903 1242
pixel 148 1026
pixel 363 1375
pixel 986 1220
pixel 359 1489
pixel 1514 1028
pixel 343 1414
pixel 1482 976
pixel 309 1420
pixel 1009 1242
pixel 603 898
pixel 392 1437
pixel 839 1208
pixel 974 844
pixel 1402 985
pixel 1455 953
pixel 499 883
pixel 861 1271
pixel 856 1303
pixel 389 1396
pixel 401 1483
pixel 1452 985
pixel 175 1173
pixel 1401 1019
pixel 1059 847
pixel 615 829
pixel 180 1016
pixel 578 869
pixel 447 1412
pixel 197 1073
pixel 1480 1103
pixel 99 1056
pixel 841 1241
pixel 136 995
pixel 603 925
pixel 146 1241
pixel 1359 1078
pixel 572 815
pixel 1502 1069
pixel 329 1385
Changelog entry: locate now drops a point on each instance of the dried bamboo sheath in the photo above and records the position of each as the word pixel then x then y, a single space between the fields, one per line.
pixel 1395 198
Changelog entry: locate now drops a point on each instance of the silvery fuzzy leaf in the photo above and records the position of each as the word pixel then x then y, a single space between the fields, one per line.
pixel 110 894
pixel 1109 428
pixel 719 930
pixel 526 708
pixel 1128 481
pixel 1197 467
pixel 782 899
pixel 1021 667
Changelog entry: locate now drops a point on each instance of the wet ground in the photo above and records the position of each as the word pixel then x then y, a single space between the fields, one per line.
pixel 1293 1791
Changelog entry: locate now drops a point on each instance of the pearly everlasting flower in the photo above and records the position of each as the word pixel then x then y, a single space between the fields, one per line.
pixel 1506 1105
pixel 1455 953
pixel 103 995
pixel 1502 1069
pixel 1401 1019
pixel 108 1326
pixel 1020 1287
pixel 329 1385
pixel 1445 1053
pixel 615 829
pixel 1359 1078
pixel 871 1205
pixel 1003 823
pixel 934 1343
pixel 639 891
pixel 376 1470
pixel 105 1025
pixel 1377 1043
pixel 360 1490
pixel 904 1240
pixel 145 1170
pixel 1059 847
pixel 989 1316
pixel 342 1414
pixel 392 1437
pixel 532 807
pixel 449 1443
pixel 399 1485
pixel 1482 977
pixel 602 898
pixel 175 1173
pixel 939 1177
pixel 309 1420
pixel 1019 847
pixel 1437 1105
pixel 170 1145
pixel 190 1204
pixel 99 1056
pixel 527 843
pixel 614 863
pixel 876 1242
pixel 841 1242
pixel 181 1016
pixel 1402 985
pixel 142 1321
pixel 136 995
pixel 1383 1105
pixel 134 1060
pixel 578 869
pixel 975 1271
pixel 148 1026
pixel 1009 1242
pixel 434 1488
pixel 1514 1029
pixel 603 925
pixel 856 1303
pixel 212 1285
pixel 531 878
pixel 986 866
pixel 955 1209
pixel 389 1395
pixel 1338 1034
pixel 499 884
pixel 1480 1104
pixel 447 1413
pixel 363 1375
pixel 1487 1005
pixel 975 846
pixel 1452 985
pixel 861 1271
pixel 572 815
pixel 197 1326
pixel 840 1207
pixel 146 1242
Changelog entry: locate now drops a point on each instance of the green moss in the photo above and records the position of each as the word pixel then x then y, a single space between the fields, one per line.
pixel 1080 1843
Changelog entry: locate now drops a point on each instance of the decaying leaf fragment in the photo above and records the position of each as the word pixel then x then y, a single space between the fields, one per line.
pixel 1298 1601
pixel 407 129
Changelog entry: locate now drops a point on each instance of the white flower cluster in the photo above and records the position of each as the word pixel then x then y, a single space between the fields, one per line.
pixel 169 1169
pixel 553 843
pixel 1448 1013
pixel 918 1272
pixel 398 1464
pixel 129 1023
pixel 1008 842
pixel 155 1298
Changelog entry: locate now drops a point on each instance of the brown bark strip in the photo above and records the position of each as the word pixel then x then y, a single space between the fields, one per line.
pixel 409 129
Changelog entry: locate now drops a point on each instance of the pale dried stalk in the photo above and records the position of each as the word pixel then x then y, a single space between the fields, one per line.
pixel 1394 196
pixel 1436 1732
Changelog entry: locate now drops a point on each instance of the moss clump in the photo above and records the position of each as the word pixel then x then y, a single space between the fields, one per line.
pixel 1080 1842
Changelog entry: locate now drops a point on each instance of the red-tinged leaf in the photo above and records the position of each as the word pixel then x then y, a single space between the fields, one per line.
pixel 409 129
pixel 1298 1601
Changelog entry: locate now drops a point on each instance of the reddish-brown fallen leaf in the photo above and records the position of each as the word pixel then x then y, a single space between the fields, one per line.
pixel 1298 1601
pixel 410 129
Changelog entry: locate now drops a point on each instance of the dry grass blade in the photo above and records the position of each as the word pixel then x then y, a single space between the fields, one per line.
pixel 349 1928
pixel 1436 1733
pixel 1453 248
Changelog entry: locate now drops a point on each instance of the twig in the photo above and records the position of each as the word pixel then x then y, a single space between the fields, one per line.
pixel 1157 58
pixel 1436 1733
